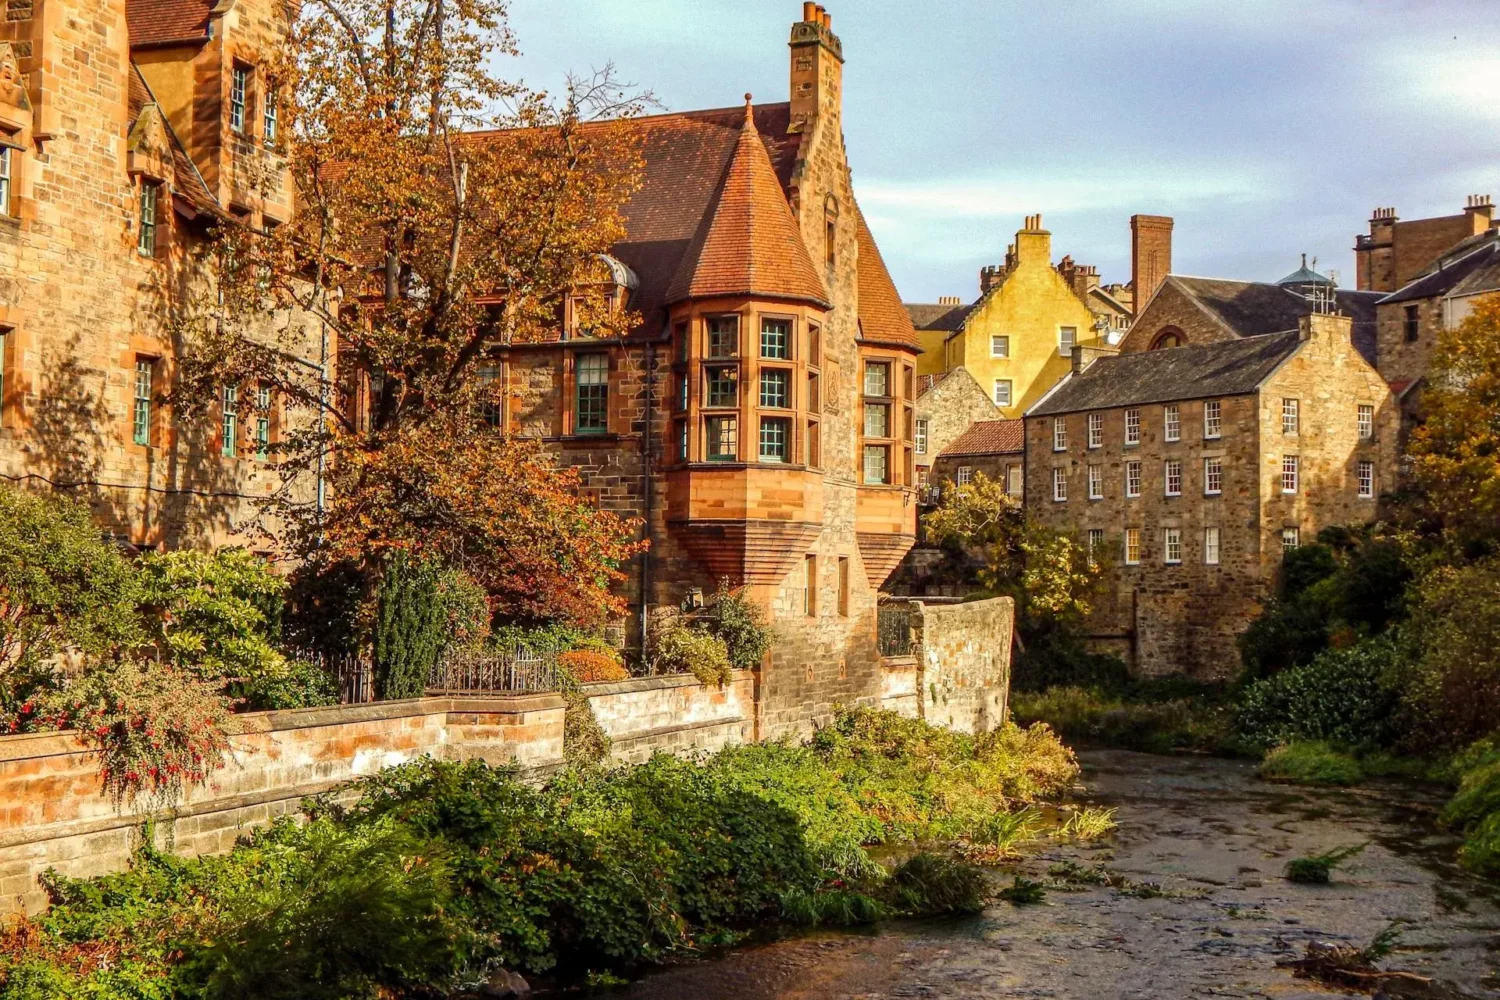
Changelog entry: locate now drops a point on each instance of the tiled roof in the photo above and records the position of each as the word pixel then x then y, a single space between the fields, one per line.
pixel 748 242
pixel 1471 266
pixel 938 316
pixel 882 318
pixel 1254 308
pixel 1200 371
pixel 989 437
pixel 926 383
pixel 159 22
pixel 188 186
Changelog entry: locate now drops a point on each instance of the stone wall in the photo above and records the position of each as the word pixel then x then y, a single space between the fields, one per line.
pixel 646 714
pixel 1403 360
pixel 949 408
pixel 964 662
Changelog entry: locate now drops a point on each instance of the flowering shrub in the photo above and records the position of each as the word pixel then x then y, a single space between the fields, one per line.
pixel 587 666
pixel 156 729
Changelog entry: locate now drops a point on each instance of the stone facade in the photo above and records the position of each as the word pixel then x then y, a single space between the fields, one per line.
pixel 1180 611
pixel 1395 252
pixel 964 651
pixel 943 412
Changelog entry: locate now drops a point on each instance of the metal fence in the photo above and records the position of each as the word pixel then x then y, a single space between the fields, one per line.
pixel 893 629
pixel 518 669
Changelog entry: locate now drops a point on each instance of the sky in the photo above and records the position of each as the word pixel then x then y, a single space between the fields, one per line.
pixel 1266 128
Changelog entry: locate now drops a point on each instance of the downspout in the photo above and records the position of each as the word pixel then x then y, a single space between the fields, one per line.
pixel 648 487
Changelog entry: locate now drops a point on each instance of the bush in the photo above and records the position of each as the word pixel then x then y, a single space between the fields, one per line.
pixel 1310 763
pixel 1152 718
pixel 325 608
pixel 587 667
pixel 216 614
pixel 1060 660
pixel 1474 810
pixel 465 610
pixel 678 649
pixel 740 625
pixel 292 684
pixel 1450 686
pixel 411 622
pixel 929 885
pixel 1344 696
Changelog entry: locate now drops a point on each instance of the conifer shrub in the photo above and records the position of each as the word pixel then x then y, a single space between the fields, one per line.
pixel 411 631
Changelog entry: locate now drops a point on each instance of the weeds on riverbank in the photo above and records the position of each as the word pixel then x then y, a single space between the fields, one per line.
pixel 1156 717
pixel 1318 868
pixel 1310 763
pixel 437 872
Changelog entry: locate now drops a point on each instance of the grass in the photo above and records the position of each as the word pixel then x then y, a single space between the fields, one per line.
pixel 1154 716
pixel 1023 890
pixel 1311 762
pixel 1089 823
pixel 932 885
pixel 1317 869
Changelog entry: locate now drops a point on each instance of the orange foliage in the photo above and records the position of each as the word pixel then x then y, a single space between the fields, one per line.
pixel 587 666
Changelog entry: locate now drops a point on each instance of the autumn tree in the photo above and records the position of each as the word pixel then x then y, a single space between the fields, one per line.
pixel 442 213
pixel 1455 451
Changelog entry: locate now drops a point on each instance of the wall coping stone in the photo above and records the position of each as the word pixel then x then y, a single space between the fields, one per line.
pixel 634 684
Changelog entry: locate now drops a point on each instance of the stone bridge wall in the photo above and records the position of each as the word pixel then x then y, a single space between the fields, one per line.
pixel 963 662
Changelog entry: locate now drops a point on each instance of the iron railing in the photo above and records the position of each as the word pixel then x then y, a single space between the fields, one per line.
pixel 893 629
pixel 517 669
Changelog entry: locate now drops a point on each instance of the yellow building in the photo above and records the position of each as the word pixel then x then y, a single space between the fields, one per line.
pixel 1017 340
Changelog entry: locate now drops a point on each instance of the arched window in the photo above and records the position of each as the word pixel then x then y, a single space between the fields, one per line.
pixel 830 230
pixel 1169 337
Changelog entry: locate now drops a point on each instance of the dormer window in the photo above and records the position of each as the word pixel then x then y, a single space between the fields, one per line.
pixel 239 85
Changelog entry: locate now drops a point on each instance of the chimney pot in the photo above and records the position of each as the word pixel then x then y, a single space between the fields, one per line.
pixel 809 11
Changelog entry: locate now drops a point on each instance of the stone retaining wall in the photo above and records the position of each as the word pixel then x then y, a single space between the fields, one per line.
pixel 646 714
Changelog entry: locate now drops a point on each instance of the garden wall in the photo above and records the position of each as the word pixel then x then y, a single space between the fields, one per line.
pixel 646 714
pixel 964 662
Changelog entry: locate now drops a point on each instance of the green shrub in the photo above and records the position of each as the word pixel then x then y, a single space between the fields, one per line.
pixel 929 885
pixel 1450 684
pixel 1286 634
pixel 411 628
pixel 465 610
pixel 678 649
pixel 1474 810
pixel 290 684
pixel 1318 869
pixel 1023 890
pixel 830 908
pixel 325 609
pixel 1060 660
pixel 740 624
pixel 217 614
pixel 1134 720
pixel 1343 696
pixel 1310 763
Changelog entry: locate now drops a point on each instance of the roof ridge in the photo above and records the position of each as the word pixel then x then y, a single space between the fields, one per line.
pixel 659 116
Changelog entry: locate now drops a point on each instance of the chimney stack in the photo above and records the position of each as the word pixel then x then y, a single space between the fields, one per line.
pixel 1480 206
pixel 1150 256
pixel 817 68
pixel 1033 243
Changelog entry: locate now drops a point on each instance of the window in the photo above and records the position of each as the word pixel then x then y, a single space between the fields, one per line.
pixel 1366 479
pixel 1096 482
pixel 1132 479
pixel 263 423
pixel 1289 473
pixel 140 416
pixel 814 401
pixel 999 347
pixel 775 433
pixel 1213 476
pixel 921 436
pixel 1067 336
pixel 7 174
pixel 723 386
pixel 1290 416
pixel 722 438
pixel 1172 473
pixel 724 337
pixel 877 378
pixel 1014 484
pixel 843 586
pixel 877 463
pixel 1132 546
pixel 1171 545
pixel 1366 422
pixel 229 415
pixel 1412 324
pixel 814 449
pixel 1059 485
pixel 877 420
pixel 269 119
pixel 1096 430
pixel 1211 546
pixel 810 586
pixel 682 392
pixel 1171 418
pixel 775 387
pixel 1290 538
pixel 776 339
pixel 1002 392
pixel 682 440
pixel 1095 542
pixel 1213 419
pixel 490 406
pixel 593 394
pixel 239 83
pixel 145 242
pixel 1132 427
pixel 965 475
pixel 1059 433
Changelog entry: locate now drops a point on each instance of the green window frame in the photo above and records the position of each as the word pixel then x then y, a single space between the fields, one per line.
pixel 229 416
pixel 140 412
pixel 776 388
pixel 592 391
pixel 723 386
pixel 776 339
pixel 721 437
pixel 775 439
pixel 263 423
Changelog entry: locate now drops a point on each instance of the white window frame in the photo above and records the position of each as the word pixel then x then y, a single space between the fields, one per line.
pixel 150 202
pixel 1171 546
pixel 1213 476
pixel 965 475
pixel 1133 479
pixel 1096 482
pixel 1094 542
pixel 883 452
pixel 270 120
pixel 1365 421
pixel 1132 546
pixel 1003 399
pixel 1096 430
pixel 1213 420
pixel 1291 474
pixel 1291 416
pixel 999 345
pixel 1060 485
pixel 140 410
pixel 1067 339
pixel 1059 433
pixel 919 436
pixel 7 175
pixel 1211 546
pixel 1366 470
pixel 239 89
pixel 1171 470
pixel 1291 538
pixel 1014 484
pixel 1171 422
pixel 1132 427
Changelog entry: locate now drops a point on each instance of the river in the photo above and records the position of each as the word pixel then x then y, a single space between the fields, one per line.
pixel 1216 840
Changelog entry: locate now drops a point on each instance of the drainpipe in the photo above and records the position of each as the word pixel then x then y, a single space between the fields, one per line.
pixel 648 487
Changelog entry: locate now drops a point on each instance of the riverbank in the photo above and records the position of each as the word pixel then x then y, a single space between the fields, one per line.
pixel 1215 841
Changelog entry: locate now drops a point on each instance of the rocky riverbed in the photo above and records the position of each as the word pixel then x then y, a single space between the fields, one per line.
pixel 1214 841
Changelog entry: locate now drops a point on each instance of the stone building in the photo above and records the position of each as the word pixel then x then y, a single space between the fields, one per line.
pixel 127 129
pixel 1395 252
pixel 1191 470
pixel 996 448
pixel 947 405
pixel 1016 338
pixel 760 419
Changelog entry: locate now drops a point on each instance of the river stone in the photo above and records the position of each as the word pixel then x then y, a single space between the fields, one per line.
pixel 504 985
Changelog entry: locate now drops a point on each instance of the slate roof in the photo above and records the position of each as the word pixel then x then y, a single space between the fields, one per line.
pixel 1471 266
pixel 1226 368
pixel 938 316
pixel 747 242
pixel 190 193
pixel 157 23
pixel 882 318
pixel 1256 308
pixel 988 437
